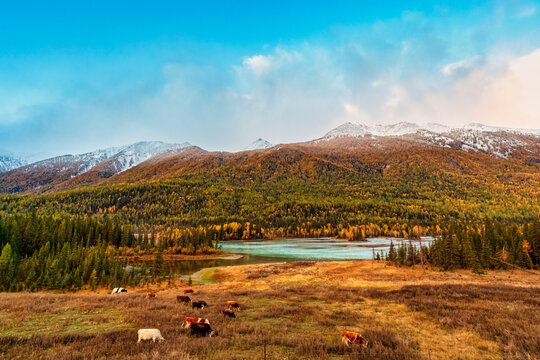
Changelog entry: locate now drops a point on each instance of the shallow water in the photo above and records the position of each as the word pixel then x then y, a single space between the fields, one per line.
pixel 315 249
pixel 271 251
pixel 189 267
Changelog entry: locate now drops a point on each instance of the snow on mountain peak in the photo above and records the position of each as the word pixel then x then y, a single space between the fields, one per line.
pixel 497 141
pixel 134 154
pixel 9 161
pixel 123 157
pixel 398 129
pixel 259 144
pixel 486 128
pixel 404 128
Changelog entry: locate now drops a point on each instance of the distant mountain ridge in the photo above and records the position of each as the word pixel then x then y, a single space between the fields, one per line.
pixel 403 128
pixel 348 147
pixel 49 173
pixel 496 141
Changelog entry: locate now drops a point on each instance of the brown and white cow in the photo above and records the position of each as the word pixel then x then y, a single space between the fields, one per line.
pixel 233 305
pixel 351 337
pixel 150 295
pixel 193 320
pixel 188 291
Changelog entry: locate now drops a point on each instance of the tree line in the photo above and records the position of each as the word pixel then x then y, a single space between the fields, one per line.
pixel 492 245
pixel 47 252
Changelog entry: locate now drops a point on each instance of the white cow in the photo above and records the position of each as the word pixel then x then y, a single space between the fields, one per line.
pixel 149 334
pixel 118 291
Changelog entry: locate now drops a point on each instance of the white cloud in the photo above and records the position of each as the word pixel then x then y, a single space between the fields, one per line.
pixel 457 66
pixel 504 94
pixel 15 105
pixel 352 113
pixel 376 83
pixel 513 98
pixel 399 70
pixel 259 64
pixel 396 95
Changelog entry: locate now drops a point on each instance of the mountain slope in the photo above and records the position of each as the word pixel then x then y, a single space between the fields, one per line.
pixel 495 141
pixel 49 174
pixel 9 161
pixel 305 184
pixel 357 150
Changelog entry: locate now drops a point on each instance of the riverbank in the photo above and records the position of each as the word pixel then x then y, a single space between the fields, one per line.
pixel 149 257
pixel 329 238
pixel 296 309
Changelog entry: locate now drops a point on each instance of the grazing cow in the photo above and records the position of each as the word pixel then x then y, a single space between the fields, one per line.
pixel 150 295
pixel 150 334
pixel 201 304
pixel 193 320
pixel 183 299
pixel 233 305
pixel 188 291
pixel 118 291
pixel 200 329
pixel 228 313
pixel 350 337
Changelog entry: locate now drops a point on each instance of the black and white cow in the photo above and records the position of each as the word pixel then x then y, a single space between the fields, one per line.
pixel 118 291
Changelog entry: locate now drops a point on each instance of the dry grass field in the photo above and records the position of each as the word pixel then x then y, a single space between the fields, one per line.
pixel 297 310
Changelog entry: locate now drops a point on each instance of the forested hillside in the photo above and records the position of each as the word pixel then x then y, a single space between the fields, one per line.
pixel 62 252
pixel 185 203
pixel 53 253
pixel 300 188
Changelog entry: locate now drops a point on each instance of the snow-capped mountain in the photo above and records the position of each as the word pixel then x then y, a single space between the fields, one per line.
pixel 104 162
pixel 123 157
pixel 80 163
pixel 402 128
pixel 132 155
pixel 10 161
pixel 353 141
pixel 497 141
pixel 259 144
pixel 487 128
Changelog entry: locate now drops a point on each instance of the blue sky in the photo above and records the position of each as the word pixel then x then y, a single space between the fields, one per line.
pixel 75 76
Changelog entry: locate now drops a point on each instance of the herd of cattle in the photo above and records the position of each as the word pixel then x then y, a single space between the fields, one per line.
pixel 201 326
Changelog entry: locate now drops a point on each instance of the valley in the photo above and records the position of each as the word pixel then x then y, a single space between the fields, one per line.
pixel 285 180
pixel 155 217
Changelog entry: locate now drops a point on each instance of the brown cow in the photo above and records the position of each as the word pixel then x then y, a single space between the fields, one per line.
pixel 183 299
pixel 350 337
pixel 228 313
pixel 188 291
pixel 150 295
pixel 193 320
pixel 233 305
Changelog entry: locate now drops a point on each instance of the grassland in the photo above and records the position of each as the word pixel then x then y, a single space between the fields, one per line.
pixel 297 310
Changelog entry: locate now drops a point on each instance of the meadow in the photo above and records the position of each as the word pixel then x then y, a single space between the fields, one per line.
pixel 295 310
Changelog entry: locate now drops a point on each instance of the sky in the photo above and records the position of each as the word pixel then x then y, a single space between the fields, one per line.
pixel 78 76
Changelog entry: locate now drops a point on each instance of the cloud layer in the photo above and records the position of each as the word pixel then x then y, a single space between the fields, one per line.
pixel 413 68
